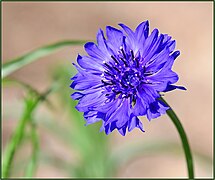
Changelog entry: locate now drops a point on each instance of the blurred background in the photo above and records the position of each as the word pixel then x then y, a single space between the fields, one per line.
pixel 66 147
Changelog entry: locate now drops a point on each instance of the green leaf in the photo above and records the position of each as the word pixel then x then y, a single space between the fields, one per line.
pixel 32 165
pixel 27 87
pixel 17 63
pixel 31 102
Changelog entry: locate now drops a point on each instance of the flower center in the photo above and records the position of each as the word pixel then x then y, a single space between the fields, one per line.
pixel 130 78
pixel 124 74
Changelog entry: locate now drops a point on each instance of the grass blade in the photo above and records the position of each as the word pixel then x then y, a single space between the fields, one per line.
pixel 32 165
pixel 17 63
pixel 30 105
pixel 27 87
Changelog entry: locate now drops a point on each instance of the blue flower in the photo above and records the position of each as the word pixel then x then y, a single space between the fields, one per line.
pixel 123 75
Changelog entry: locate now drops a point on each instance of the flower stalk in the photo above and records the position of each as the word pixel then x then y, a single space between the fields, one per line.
pixel 184 140
pixel 31 103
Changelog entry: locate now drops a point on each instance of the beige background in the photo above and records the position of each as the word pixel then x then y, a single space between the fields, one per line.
pixel 27 26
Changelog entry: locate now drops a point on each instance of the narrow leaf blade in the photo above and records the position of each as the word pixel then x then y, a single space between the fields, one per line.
pixel 17 63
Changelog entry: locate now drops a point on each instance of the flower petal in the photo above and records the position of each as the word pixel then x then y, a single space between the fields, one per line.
pixel 172 87
pixel 147 94
pixel 135 122
pixel 90 100
pixel 149 43
pixel 109 107
pixel 141 32
pixel 102 43
pixel 92 117
pixel 85 82
pixel 164 76
pixel 154 48
pixel 156 109
pixel 157 61
pixel 90 63
pixel 93 51
pixel 121 115
pixel 130 41
pixel 115 38
pixel 128 31
pixel 77 95
pixel 139 107
pixel 122 130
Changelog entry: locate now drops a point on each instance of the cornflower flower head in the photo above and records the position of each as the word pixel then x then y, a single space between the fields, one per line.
pixel 123 75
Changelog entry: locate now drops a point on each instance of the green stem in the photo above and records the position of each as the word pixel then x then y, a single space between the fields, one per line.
pixel 15 140
pixel 184 140
pixel 12 65
pixel 32 165
pixel 30 105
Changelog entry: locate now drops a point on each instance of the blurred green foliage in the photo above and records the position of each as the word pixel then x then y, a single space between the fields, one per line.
pixel 17 63
pixel 97 159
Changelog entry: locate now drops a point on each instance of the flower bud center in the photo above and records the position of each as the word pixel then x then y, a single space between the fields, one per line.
pixel 130 78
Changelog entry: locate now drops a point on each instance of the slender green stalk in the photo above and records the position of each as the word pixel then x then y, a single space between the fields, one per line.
pixel 17 63
pixel 27 87
pixel 184 140
pixel 32 165
pixel 30 105
pixel 16 139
